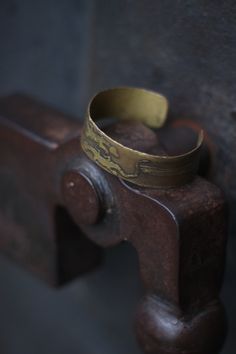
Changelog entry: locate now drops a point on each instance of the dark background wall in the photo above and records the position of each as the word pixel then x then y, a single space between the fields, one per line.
pixel 62 52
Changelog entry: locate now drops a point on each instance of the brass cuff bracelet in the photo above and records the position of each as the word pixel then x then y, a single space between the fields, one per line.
pixel 134 166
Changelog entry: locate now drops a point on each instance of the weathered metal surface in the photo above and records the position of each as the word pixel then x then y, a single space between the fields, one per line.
pixel 183 49
pixel 179 233
pixel 31 164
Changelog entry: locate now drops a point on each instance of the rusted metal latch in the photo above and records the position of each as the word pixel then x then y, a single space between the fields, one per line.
pixel 179 233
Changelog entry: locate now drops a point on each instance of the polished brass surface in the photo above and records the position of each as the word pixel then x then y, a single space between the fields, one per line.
pixel 134 166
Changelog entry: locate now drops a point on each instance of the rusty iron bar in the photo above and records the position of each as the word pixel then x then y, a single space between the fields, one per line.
pixel 179 233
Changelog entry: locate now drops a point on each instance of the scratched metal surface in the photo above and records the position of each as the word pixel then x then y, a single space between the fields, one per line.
pixel 62 52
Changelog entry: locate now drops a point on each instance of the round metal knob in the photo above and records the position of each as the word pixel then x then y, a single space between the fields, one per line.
pixel 81 197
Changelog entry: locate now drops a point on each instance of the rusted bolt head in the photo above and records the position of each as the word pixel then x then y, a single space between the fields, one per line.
pixel 81 197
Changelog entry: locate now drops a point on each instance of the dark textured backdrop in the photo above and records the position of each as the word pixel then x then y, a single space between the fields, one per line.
pixel 63 51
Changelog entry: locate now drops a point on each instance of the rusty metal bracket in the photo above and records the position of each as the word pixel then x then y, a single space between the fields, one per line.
pixel 179 233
